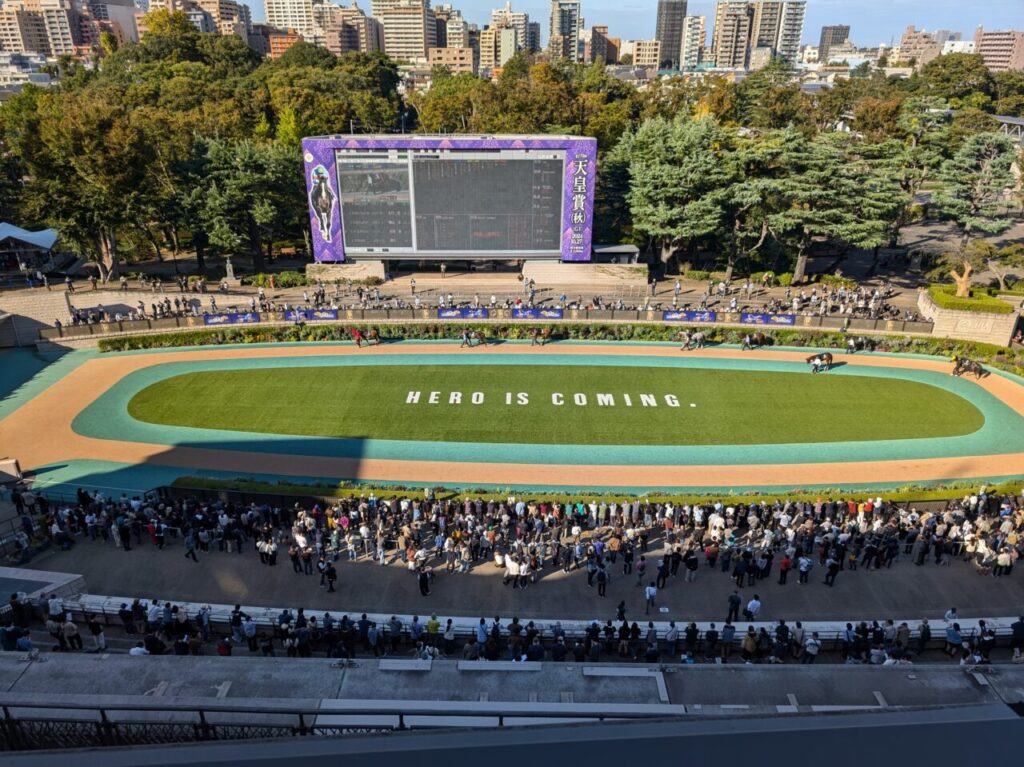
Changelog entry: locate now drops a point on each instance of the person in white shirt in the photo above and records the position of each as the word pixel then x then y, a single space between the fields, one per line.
pixel 650 592
pixel 139 649
pixel 753 608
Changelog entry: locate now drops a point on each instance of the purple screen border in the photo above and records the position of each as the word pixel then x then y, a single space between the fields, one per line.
pixel 580 159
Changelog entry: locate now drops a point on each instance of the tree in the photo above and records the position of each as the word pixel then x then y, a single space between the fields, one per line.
pixel 86 157
pixel 1000 261
pixel 677 181
pixel 820 196
pixel 957 76
pixel 612 221
pixel 626 59
pixel 303 54
pixel 976 182
pixel 760 162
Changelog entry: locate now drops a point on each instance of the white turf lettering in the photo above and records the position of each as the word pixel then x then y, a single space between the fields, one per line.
pixel 648 400
pixel 455 398
pixel 557 398
pixel 413 398
pixel 434 398
pixel 579 399
pixel 671 400
pixel 605 400
pixel 477 398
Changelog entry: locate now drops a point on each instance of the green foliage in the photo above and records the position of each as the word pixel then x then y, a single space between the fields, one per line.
pixel 1011 360
pixel 974 184
pixel 958 77
pixel 945 297
pixel 284 279
pixel 697 274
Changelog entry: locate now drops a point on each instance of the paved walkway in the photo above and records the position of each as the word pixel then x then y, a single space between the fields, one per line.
pixel 902 592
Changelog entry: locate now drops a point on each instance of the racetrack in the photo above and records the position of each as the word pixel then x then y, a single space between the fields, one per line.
pixel 90 435
pixel 558 404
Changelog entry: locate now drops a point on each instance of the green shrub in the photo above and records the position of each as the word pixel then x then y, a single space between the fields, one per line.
pixel 785 279
pixel 281 280
pixel 945 297
pixel 697 274
pixel 837 282
pixel 996 356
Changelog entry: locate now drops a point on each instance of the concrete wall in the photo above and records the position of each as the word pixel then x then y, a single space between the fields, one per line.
pixel 967 326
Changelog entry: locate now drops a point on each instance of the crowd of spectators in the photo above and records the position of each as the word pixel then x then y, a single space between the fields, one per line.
pixel 754 544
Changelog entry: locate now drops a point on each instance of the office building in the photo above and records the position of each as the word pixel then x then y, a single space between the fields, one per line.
pixel 832 35
pixel 668 31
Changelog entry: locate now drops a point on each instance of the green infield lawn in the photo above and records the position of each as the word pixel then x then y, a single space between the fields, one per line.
pixel 715 407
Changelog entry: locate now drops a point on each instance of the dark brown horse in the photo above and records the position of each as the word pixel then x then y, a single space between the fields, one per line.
pixel 819 361
pixel 754 340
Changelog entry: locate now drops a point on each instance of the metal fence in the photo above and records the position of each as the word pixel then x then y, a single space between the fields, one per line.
pixel 35 726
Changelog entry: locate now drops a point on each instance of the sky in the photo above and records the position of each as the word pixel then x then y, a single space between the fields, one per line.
pixel 871 21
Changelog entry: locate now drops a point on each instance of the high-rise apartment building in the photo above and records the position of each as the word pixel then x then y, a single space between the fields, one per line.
pixel 791 31
pixel 730 38
pixel 497 46
pixel 779 26
pixel 832 35
pixel 517 20
pixel 919 46
pixel 692 41
pixel 22 30
pixel 348 29
pixel 773 28
pixel 1002 51
pixel 566 24
pixel 533 36
pixel 409 30
pixel 668 31
pixel 289 14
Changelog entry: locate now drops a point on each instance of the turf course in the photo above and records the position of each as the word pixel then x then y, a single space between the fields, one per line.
pixel 716 407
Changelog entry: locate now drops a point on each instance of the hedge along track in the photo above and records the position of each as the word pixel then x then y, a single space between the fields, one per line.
pixel 40 433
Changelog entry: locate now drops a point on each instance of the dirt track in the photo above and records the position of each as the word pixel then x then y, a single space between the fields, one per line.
pixel 52 412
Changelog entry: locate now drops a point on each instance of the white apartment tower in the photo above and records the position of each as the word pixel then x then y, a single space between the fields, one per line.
pixel 691 45
pixel 290 14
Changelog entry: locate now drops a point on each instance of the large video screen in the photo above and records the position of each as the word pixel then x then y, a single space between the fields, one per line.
pixel 433 202
pixel 487 204
pixel 375 203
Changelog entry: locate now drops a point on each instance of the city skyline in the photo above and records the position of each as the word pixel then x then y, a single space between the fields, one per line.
pixel 871 21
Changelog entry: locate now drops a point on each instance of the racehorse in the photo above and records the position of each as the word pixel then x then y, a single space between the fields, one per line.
pixel 540 337
pixel 963 365
pixel 373 337
pixel 854 345
pixel 479 337
pixel 817 361
pixel 750 340
pixel 691 340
